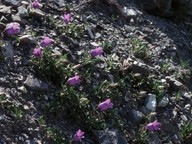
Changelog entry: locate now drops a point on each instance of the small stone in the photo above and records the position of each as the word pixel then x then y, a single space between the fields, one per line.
pixel 61 3
pixel 154 139
pixel 27 39
pixel 36 84
pixel 56 53
pixel 163 102
pixel 2 26
pixel 188 106
pixel 151 102
pixel 22 11
pixel 184 118
pixel 163 80
pixel 26 107
pixel 138 67
pixel 16 18
pixel 5 10
pixel 97 35
pixel 90 33
pixel 7 50
pixel 109 137
pixel 37 12
pixel 136 116
pixel 94 44
pixel 187 95
pixel 175 84
pixel 23 89
pixel 131 13
pixel 14 3
pixel 5 13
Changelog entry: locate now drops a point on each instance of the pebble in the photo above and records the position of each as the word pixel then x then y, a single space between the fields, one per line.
pixel 151 102
pixel 35 84
pixel 163 102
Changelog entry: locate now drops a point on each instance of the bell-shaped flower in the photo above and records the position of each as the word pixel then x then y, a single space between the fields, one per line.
pixel 37 52
pixel 74 80
pixel 12 28
pixel 46 42
pixel 36 5
pixel 97 51
pixel 78 135
pixel 105 105
pixel 153 126
pixel 67 18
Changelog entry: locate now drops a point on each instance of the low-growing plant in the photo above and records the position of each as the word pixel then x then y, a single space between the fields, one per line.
pixel 157 88
pixel 51 68
pixel 56 136
pixel 18 113
pixel 140 50
pixel 184 64
pixel 141 135
pixel 178 95
pixel 164 67
pixel 186 132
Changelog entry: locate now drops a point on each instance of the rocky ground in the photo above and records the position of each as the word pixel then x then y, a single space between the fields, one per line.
pixel 145 70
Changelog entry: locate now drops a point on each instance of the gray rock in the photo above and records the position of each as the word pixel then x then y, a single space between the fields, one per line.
pixel 2 26
pixel 138 67
pixel 136 116
pixel 187 95
pixel 154 139
pixel 37 12
pixel 16 18
pixel 90 33
pixel 61 3
pixel 27 39
pixel 7 50
pixel 175 84
pixel 94 44
pixel 163 102
pixel 22 11
pixel 5 11
pixel 14 3
pixel 109 137
pixel 35 84
pixel 5 19
pixel 151 102
pixel 130 12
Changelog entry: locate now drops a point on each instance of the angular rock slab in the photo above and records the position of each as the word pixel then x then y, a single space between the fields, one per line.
pixel 35 84
pixel 7 50
pixel 151 102
pixel 109 137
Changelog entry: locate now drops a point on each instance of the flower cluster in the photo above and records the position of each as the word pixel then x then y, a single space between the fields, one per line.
pixel 37 52
pixel 107 104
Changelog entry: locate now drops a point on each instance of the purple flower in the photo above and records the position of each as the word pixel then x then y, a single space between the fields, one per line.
pixel 79 135
pixel 37 52
pixel 153 126
pixel 36 5
pixel 46 42
pixel 97 51
pixel 105 105
pixel 67 18
pixel 74 80
pixel 12 28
